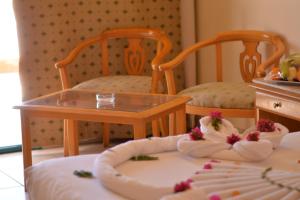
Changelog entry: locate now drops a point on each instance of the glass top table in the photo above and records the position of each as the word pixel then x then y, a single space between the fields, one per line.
pixel 82 105
pixel 101 101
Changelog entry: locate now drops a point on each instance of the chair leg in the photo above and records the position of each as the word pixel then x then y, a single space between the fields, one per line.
pixel 164 126
pixel 192 121
pixel 106 134
pixel 172 128
pixel 66 138
pixel 256 115
pixel 180 121
pixel 155 128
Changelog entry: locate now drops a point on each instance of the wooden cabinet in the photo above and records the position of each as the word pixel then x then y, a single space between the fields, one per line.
pixel 277 102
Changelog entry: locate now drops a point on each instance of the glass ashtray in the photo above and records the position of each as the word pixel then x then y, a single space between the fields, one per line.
pixel 105 98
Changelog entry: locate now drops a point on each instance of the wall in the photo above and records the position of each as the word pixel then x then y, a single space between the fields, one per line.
pixel 213 16
pixel 188 38
pixel 49 29
pixel 220 15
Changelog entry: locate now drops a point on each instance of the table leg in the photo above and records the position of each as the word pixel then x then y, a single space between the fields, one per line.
pixel 72 130
pixel 155 128
pixel 66 138
pixel 180 121
pixel 139 130
pixel 105 136
pixel 26 143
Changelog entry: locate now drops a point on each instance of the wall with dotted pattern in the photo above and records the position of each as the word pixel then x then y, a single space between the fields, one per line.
pixel 49 29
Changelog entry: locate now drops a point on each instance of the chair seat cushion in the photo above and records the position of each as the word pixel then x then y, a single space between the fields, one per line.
pixel 120 83
pixel 221 95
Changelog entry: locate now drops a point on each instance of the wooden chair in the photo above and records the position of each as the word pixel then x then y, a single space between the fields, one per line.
pixel 232 99
pixel 134 63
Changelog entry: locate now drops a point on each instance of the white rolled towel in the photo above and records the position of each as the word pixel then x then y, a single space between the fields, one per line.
pixel 226 129
pixel 192 194
pixel 254 150
pixel 291 141
pixel 275 136
pixel 200 148
pixel 105 163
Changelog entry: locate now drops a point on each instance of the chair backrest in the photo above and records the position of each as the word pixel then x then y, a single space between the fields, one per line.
pixel 251 65
pixel 250 59
pixel 134 53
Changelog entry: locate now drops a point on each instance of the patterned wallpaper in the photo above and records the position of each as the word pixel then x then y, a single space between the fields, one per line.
pixel 49 29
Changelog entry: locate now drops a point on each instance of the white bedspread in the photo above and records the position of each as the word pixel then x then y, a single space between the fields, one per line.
pixel 54 179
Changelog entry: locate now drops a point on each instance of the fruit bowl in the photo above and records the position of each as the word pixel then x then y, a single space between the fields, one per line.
pixel 268 78
pixel 288 70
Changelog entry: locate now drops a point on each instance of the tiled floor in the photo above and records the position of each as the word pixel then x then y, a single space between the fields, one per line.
pixel 11 169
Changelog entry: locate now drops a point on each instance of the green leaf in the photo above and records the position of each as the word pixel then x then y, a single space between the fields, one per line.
pixel 143 157
pixel 83 174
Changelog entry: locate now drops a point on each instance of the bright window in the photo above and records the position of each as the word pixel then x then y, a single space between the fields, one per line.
pixel 9 52
pixel 10 90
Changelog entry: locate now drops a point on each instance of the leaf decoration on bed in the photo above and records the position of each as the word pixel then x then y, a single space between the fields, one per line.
pixel 83 174
pixel 143 158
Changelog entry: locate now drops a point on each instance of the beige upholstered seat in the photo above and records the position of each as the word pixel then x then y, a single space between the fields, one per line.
pixel 221 95
pixel 120 83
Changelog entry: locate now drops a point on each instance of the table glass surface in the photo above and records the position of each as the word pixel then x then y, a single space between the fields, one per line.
pixel 88 100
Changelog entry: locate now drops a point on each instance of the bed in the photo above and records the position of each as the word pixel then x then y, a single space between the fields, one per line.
pixel 54 179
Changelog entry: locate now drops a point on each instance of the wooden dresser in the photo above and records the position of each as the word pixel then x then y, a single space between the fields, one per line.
pixel 278 102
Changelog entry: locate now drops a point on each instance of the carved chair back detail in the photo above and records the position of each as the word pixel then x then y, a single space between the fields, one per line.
pixel 250 58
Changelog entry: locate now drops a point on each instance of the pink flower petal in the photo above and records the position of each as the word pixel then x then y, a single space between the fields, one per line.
pixel 207 166
pixel 215 197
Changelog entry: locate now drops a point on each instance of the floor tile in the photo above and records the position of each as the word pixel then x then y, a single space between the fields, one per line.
pixel 7 182
pixel 15 173
pixel 14 193
pixel 12 165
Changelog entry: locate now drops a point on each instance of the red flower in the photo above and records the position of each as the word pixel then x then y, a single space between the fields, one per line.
pixel 207 166
pixel 254 136
pixel 183 185
pixel 216 119
pixel 216 115
pixel 265 125
pixel 196 134
pixel 233 139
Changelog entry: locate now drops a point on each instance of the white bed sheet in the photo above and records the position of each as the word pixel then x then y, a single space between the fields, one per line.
pixel 54 179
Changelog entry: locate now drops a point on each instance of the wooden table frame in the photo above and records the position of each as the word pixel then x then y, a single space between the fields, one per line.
pixel 72 115
pixel 278 102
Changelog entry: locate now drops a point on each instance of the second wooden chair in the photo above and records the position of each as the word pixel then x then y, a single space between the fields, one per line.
pixel 232 99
